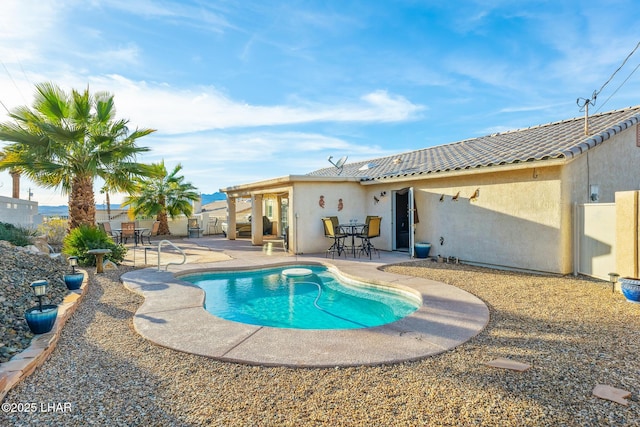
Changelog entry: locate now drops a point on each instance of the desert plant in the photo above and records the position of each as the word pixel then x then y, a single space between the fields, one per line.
pixel 18 236
pixel 54 230
pixel 84 238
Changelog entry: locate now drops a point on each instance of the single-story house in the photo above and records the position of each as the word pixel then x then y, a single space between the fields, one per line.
pixel 505 199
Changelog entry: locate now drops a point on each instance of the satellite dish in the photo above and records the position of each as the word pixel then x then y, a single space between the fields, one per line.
pixel 340 163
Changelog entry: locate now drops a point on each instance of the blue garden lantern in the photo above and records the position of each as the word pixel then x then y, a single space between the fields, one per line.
pixel 41 318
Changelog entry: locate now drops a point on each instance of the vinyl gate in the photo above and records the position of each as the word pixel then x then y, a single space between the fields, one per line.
pixel 595 239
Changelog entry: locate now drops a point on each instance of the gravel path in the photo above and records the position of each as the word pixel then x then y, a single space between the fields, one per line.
pixel 575 333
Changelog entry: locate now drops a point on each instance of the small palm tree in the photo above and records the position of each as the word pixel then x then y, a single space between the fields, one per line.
pixel 67 140
pixel 161 195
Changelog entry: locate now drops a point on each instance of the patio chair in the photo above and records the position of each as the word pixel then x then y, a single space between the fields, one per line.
pixel 335 221
pixel 128 230
pixel 332 232
pixel 106 227
pixel 370 231
pixel 214 226
pixel 152 232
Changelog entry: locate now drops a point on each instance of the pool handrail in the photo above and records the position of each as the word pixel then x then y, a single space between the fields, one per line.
pixel 184 256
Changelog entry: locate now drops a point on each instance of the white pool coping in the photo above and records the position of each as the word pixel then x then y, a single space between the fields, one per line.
pixel 173 316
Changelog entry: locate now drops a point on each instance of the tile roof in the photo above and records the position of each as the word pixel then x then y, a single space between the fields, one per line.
pixel 558 140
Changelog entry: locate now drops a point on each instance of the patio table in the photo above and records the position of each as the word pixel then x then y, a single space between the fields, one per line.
pixel 352 229
pixel 137 232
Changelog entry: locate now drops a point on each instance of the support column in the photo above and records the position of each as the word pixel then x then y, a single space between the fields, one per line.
pixel 257 231
pixel 277 231
pixel 231 218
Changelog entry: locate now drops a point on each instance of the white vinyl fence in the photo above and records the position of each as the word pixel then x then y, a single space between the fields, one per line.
pixel 595 239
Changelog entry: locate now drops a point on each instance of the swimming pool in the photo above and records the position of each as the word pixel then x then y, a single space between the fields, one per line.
pixel 301 297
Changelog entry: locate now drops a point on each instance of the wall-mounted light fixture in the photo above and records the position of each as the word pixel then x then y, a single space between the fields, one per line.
pixel 442 198
pixel 455 198
pixel 475 195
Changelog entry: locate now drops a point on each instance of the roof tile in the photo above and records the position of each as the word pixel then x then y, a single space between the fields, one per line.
pixel 564 139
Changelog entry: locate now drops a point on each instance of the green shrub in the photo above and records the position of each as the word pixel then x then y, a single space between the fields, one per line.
pixel 55 231
pixel 84 238
pixel 18 236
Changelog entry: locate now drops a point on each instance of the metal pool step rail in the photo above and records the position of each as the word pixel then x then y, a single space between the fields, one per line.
pixel 159 249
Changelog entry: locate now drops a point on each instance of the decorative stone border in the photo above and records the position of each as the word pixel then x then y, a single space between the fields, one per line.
pixel 25 363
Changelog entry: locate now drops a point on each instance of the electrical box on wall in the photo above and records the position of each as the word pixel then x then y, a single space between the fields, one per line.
pixel 594 193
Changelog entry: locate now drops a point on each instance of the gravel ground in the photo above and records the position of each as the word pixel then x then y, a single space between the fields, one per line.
pixel 575 333
pixel 18 268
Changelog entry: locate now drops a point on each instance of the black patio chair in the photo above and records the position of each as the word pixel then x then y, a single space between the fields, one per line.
pixel 152 232
pixel 333 233
pixel 370 231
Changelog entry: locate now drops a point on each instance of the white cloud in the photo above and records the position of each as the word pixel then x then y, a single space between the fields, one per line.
pixel 174 111
pixel 24 26
pixel 221 159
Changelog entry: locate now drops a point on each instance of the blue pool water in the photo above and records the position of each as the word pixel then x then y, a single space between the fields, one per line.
pixel 303 301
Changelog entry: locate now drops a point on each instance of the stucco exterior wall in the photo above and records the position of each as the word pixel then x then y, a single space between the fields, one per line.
pixel 611 166
pixel 306 213
pixel 515 221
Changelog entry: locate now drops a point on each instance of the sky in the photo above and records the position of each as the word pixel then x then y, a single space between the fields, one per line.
pixel 243 91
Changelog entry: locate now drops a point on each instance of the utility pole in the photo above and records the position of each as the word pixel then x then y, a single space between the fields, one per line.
pixel 584 103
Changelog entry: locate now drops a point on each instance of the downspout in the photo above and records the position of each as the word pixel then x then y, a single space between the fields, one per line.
pixel 576 239
pixel 637 234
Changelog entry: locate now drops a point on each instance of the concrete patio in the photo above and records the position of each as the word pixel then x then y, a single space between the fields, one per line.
pixel 173 315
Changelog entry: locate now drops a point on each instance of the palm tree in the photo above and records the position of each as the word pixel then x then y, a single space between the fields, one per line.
pixel 162 194
pixel 66 140
pixel 119 179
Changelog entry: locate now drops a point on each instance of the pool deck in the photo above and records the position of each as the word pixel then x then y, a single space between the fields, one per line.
pixel 173 316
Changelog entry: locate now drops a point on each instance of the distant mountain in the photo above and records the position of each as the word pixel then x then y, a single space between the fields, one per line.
pixel 208 198
pixel 63 210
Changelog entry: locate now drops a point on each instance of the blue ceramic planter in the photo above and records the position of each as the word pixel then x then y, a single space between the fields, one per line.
pixel 630 288
pixel 74 280
pixel 41 322
pixel 422 249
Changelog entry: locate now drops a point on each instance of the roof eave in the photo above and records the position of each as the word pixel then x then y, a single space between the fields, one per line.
pixel 419 176
pixel 261 186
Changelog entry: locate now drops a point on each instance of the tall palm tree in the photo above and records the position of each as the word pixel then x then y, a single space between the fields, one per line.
pixel 162 194
pixel 66 140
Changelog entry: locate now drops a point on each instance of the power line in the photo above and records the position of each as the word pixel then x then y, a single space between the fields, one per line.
pixel 618 88
pixel 620 67
pixel 592 101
